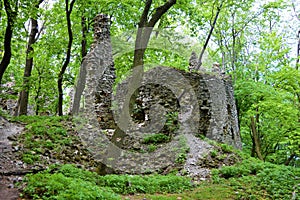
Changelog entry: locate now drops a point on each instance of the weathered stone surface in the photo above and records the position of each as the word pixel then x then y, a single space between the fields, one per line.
pixel 200 104
pixel 218 115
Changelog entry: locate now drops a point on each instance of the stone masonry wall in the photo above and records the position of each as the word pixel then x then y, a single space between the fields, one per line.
pixel 218 115
pixel 210 94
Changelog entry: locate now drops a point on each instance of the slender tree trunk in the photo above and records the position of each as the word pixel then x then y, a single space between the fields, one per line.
pixel 24 95
pixel 145 28
pixel 253 146
pixel 11 17
pixel 298 51
pixel 68 57
pixel 233 54
pixel 256 139
pixel 83 40
pixel 209 36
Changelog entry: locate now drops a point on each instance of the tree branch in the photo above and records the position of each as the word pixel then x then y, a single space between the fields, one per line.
pixel 160 11
pixel 144 17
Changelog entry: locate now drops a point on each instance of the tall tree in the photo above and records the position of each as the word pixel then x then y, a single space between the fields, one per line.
pixel 11 19
pixel 212 27
pixel 24 94
pixel 84 30
pixel 68 10
pixel 145 28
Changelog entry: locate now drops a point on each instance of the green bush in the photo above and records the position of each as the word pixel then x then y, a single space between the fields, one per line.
pixel 226 148
pixel 58 186
pixel 156 138
pixel 71 171
pixel 29 158
pixel 279 181
pixel 231 171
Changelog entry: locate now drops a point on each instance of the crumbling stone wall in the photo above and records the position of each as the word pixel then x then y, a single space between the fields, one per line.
pixel 94 92
pixel 97 65
pixel 218 115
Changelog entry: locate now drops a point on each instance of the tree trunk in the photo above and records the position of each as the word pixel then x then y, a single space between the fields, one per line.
pixel 298 50
pixel 68 56
pixel 145 28
pixel 11 17
pixel 24 95
pixel 83 40
pixel 253 146
pixel 256 139
pixel 233 54
pixel 209 36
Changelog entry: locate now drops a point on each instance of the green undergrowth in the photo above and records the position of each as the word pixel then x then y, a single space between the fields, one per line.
pixel 69 182
pixel 43 133
pixel 156 138
pixel 254 179
pixel 248 179
pixel 204 191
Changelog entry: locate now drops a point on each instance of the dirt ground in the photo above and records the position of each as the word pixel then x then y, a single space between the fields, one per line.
pixel 11 168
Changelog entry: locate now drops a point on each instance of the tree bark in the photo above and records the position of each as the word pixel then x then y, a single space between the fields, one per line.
pixel 298 51
pixel 24 94
pixel 83 40
pixel 209 36
pixel 145 28
pixel 68 57
pixel 256 138
pixel 11 17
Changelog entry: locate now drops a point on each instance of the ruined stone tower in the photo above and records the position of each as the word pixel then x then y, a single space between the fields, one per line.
pixel 99 63
pixel 214 104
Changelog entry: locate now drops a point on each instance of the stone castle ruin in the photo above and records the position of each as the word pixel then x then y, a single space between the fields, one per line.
pixel 210 97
